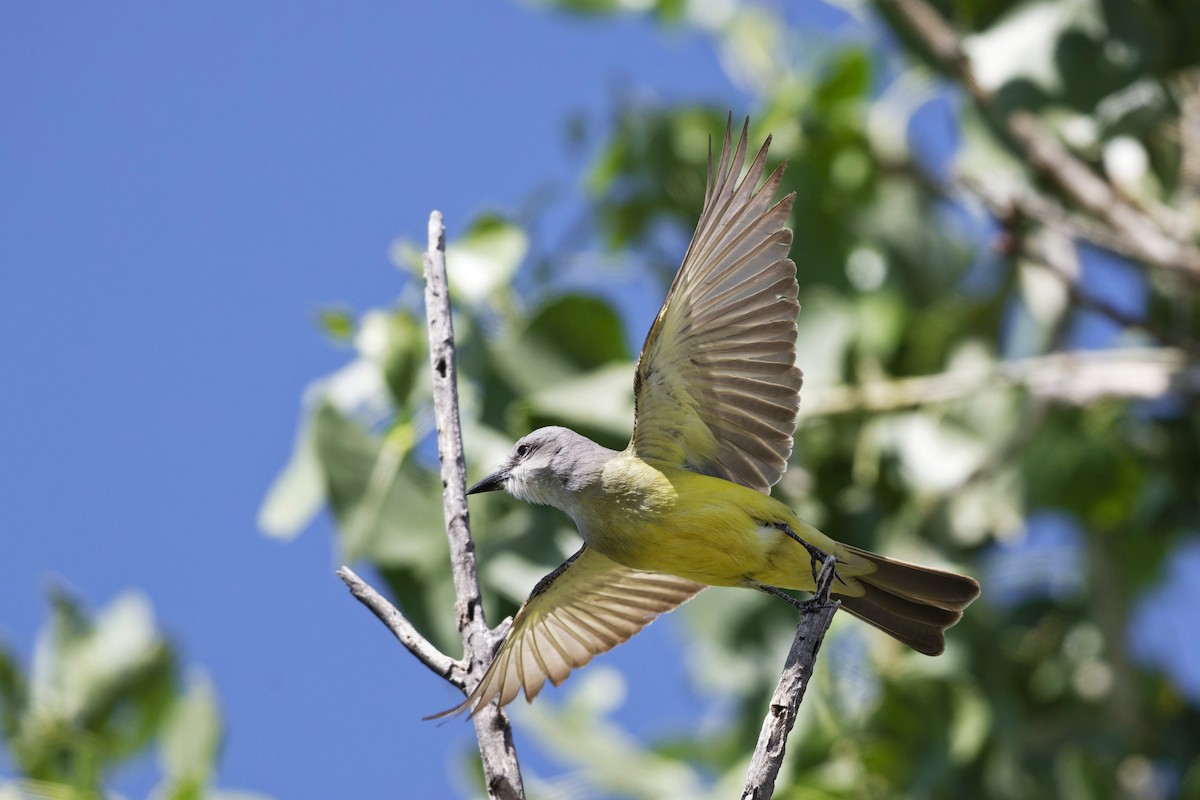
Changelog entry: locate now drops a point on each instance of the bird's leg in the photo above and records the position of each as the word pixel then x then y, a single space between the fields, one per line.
pixel 780 593
pixel 817 555
pixel 800 605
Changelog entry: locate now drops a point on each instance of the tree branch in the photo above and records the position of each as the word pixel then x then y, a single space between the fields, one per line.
pixel 785 702
pixel 1076 377
pixel 1005 202
pixel 403 630
pixel 1139 233
pixel 502 772
pixel 1046 247
pixel 1014 206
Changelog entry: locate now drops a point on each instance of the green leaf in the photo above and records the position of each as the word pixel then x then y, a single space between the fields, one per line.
pixel 14 694
pixel 405 355
pixel 585 331
pixel 387 513
pixel 394 341
pixel 847 77
pixel 1023 45
pixel 182 789
pixel 652 171
pixel 598 400
pixel 585 7
pixel 970 725
pixel 298 492
pixel 79 664
pixel 485 258
pixel 392 347
pixel 566 337
pixel 98 691
pixel 882 320
pixel 191 736
pixel 338 324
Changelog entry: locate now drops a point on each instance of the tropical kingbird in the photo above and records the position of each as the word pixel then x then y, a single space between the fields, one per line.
pixel 687 504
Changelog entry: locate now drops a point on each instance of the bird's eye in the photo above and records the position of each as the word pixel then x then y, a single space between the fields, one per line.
pixel 523 450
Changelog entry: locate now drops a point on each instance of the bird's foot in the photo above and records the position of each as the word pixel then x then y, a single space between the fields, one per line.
pixel 815 603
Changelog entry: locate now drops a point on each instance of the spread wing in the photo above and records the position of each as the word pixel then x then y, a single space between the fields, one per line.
pixel 587 606
pixel 717 389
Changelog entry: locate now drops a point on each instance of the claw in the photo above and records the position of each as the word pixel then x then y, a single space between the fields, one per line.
pixel 812 604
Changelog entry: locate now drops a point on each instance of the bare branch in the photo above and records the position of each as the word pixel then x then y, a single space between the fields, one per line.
pixel 403 630
pixel 1141 234
pixel 502 772
pixel 1006 201
pixel 785 702
pixel 1052 247
pixel 1076 377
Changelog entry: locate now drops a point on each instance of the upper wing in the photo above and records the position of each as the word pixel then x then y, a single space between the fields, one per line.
pixel 587 606
pixel 717 389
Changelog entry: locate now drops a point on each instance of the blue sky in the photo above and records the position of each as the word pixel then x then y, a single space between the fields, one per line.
pixel 180 190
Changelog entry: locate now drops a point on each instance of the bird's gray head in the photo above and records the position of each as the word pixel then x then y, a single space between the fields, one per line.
pixel 549 466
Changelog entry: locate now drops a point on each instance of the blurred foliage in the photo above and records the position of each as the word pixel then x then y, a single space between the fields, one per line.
pixel 99 692
pixel 1071 511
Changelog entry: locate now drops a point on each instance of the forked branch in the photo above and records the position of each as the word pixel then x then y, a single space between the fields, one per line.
pixel 502 772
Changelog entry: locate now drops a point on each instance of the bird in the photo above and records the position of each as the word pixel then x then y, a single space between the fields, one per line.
pixel 687 503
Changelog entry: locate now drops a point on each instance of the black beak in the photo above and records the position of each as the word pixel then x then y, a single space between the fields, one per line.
pixel 491 483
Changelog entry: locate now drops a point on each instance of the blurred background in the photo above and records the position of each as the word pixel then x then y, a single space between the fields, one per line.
pixel 214 386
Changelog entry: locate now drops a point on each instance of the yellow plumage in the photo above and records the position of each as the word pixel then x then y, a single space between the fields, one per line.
pixel 704 529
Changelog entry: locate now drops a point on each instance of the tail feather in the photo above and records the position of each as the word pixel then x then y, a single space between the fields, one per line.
pixel 911 603
pixel 879 608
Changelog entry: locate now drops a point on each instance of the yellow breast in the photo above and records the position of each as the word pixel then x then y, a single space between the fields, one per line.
pixel 691 525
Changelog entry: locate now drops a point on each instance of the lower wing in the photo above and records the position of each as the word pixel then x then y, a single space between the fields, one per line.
pixel 587 606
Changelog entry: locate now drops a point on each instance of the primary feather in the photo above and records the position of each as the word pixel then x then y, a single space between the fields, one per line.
pixel 587 606
pixel 717 389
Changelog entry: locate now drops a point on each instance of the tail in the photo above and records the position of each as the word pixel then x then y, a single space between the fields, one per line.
pixel 911 603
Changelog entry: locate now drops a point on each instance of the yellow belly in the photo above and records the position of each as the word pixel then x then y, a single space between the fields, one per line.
pixel 701 528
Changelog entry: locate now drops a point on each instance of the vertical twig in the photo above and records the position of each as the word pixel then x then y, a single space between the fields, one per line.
pixel 785 703
pixel 501 770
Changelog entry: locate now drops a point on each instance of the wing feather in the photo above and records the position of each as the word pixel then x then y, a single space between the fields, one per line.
pixel 587 606
pixel 717 389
